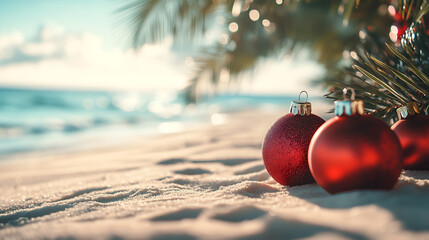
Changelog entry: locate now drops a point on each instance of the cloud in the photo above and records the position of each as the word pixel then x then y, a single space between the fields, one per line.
pixel 287 76
pixel 56 59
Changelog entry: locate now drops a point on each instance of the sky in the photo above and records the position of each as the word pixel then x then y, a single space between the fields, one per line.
pixel 63 44
pixel 27 16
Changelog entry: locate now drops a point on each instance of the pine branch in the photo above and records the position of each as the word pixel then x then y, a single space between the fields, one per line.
pixel 399 77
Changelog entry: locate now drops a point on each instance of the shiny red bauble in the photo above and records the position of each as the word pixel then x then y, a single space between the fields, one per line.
pixel 355 152
pixel 413 133
pixel 285 148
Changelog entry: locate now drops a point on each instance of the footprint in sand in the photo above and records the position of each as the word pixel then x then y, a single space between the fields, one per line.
pixel 257 146
pixel 168 236
pixel 172 161
pixel 228 161
pixel 81 192
pixel 193 171
pixel 20 217
pixel 240 214
pixel 278 228
pixel 225 162
pixel 189 213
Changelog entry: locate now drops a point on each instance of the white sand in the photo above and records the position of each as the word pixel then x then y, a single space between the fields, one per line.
pixel 201 184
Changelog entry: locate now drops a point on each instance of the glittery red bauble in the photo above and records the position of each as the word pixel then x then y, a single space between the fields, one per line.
pixel 285 148
pixel 413 133
pixel 355 152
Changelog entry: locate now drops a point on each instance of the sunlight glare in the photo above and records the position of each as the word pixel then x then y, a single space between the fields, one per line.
pixel 170 127
pixel 218 118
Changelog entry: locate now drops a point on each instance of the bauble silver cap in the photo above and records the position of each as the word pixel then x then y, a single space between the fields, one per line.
pixel 348 106
pixel 302 108
pixel 408 109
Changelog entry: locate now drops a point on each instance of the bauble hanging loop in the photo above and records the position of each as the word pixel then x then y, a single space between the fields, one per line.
pixel 285 147
pixel 301 108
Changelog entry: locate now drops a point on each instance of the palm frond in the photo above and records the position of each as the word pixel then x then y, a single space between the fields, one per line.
pixel 291 28
pixel 152 21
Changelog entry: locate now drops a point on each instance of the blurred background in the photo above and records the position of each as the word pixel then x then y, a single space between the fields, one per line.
pixel 75 74
pixel 69 77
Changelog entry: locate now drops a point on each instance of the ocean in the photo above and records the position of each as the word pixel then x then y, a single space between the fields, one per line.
pixel 47 120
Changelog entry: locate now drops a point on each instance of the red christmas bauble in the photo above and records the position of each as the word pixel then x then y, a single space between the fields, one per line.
pixel 413 133
pixel 355 152
pixel 285 148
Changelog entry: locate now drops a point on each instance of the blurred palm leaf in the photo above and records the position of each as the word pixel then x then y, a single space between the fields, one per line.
pixel 152 21
pixel 292 25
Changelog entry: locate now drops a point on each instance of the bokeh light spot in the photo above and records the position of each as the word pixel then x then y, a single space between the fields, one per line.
pixel 233 27
pixel 254 15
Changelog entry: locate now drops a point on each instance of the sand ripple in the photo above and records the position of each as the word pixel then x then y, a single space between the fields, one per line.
pixel 206 184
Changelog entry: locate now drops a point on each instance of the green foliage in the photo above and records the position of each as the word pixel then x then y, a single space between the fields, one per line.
pixel 383 88
pixel 293 25
pixel 152 21
pixel 390 76
pixel 384 77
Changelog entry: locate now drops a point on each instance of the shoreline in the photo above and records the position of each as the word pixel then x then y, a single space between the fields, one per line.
pixel 125 141
pixel 85 141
